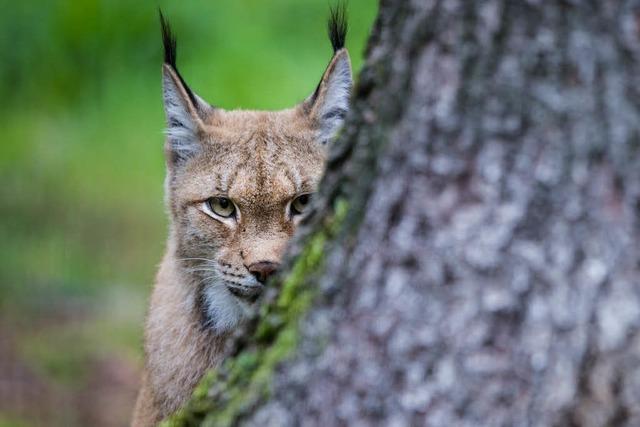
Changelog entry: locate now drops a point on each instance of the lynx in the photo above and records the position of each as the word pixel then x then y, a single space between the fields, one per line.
pixel 238 184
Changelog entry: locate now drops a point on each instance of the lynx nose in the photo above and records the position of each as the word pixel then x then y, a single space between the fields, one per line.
pixel 263 269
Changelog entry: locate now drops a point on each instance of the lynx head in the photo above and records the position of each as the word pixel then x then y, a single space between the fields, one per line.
pixel 239 182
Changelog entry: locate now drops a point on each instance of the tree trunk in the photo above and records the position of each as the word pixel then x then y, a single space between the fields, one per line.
pixel 486 271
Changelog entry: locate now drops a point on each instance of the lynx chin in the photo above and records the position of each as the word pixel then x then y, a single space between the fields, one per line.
pixel 238 184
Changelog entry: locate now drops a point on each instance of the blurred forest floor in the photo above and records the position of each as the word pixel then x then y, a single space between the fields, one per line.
pixel 82 221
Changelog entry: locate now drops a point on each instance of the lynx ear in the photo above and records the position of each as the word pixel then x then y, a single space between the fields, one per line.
pixel 328 105
pixel 184 109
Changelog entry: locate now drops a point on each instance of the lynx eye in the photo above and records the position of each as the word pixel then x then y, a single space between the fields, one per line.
pixel 300 203
pixel 221 206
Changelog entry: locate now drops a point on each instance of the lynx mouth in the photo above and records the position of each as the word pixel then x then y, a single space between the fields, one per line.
pixel 247 293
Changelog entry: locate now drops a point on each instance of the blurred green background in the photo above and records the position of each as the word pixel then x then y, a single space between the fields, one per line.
pixel 82 220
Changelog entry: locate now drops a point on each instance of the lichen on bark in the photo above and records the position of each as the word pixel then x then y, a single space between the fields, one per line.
pixel 224 394
pixel 487 272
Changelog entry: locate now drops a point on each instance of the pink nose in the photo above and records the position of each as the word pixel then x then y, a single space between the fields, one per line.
pixel 263 269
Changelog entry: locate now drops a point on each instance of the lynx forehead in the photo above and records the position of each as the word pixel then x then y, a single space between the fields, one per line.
pixel 254 156
pixel 238 184
pixel 239 181
pixel 263 167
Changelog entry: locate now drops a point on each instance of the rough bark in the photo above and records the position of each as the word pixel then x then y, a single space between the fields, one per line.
pixel 487 269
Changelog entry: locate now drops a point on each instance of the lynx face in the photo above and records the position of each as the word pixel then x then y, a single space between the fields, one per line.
pixel 239 182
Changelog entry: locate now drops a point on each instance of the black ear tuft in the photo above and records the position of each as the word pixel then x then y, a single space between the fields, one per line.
pixel 337 25
pixel 168 41
pixel 171 54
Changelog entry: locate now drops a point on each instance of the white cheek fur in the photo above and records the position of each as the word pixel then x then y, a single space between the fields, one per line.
pixel 224 311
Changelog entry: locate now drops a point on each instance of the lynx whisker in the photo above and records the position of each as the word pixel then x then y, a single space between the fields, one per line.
pixel 197 259
pixel 262 165
pixel 198 269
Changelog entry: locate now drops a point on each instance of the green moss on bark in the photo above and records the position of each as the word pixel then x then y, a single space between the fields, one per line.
pixel 232 390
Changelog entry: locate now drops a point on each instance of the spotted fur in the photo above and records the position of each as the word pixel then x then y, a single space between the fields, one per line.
pixel 259 160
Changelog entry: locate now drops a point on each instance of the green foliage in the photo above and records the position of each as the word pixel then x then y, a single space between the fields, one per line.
pixel 81 152
pixel 9 421
pixel 81 160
